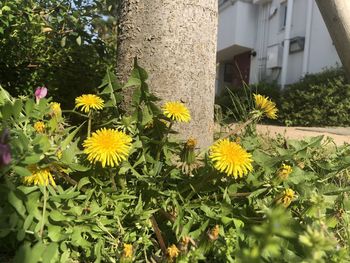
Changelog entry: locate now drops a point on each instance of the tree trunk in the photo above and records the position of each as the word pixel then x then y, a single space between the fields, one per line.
pixel 175 41
pixel 336 14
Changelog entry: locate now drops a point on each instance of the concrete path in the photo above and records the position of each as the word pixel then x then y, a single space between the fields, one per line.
pixel 340 135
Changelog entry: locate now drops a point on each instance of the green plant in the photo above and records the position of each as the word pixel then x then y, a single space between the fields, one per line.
pixel 64 45
pixel 236 103
pixel 163 201
pixel 317 100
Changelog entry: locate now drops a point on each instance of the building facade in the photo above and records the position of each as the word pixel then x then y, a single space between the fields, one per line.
pixel 272 41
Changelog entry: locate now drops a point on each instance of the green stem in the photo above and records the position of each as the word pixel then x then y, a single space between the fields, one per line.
pixel 239 128
pixel 164 139
pixel 43 215
pixel 89 125
pixel 114 185
pixel 235 131
pixel 75 112
pixel 121 182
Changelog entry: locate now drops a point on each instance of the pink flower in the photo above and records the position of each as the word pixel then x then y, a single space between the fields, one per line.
pixel 40 93
pixel 5 150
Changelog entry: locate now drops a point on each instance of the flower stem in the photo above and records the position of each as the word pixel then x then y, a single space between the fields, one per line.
pixel 114 185
pixel 235 131
pixel 158 234
pixel 89 125
pixel 164 139
pixel 43 215
pixel 239 128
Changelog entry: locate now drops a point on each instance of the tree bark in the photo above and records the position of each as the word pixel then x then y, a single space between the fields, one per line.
pixel 175 41
pixel 336 14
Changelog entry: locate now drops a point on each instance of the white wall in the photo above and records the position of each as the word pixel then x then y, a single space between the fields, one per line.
pixel 295 61
pixel 322 51
pixel 227 27
pixel 237 25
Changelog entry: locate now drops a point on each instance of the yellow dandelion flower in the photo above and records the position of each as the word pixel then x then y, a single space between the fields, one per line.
pixel 265 105
pixel 127 251
pixel 89 101
pixel 56 108
pixel 176 111
pixel 39 176
pixel 284 171
pixel 108 146
pixel 39 126
pixel 287 197
pixel 214 233
pixel 172 252
pixel 230 158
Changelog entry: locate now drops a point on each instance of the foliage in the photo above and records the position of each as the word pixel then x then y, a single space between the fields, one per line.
pixel 165 200
pixel 321 99
pixel 236 103
pixel 64 45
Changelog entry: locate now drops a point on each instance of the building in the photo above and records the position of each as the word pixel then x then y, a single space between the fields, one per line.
pixel 271 40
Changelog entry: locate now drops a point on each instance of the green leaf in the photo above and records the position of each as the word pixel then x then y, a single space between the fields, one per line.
pixel 136 82
pixel 111 86
pixel 78 40
pixel 6 111
pixel 28 221
pixel 146 116
pixel 17 204
pixel 23 254
pixel 28 107
pixel 50 252
pixel 97 249
pixel 33 159
pixel 4 96
pixel 17 108
pixel 63 41
pixel 21 171
pixel 20 234
pixel 136 97
pixel 54 233
pixel 83 181
pixel 70 137
pixel 57 216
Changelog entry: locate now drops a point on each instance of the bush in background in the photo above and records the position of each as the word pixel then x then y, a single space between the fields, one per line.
pixel 321 99
pixel 64 45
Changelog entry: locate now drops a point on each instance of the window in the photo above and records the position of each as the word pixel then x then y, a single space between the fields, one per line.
pixel 283 15
pixel 229 72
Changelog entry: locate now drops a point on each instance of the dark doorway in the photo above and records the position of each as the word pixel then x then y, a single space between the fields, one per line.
pixel 241 63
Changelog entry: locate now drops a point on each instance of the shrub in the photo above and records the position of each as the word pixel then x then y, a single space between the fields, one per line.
pixel 321 99
pixel 63 45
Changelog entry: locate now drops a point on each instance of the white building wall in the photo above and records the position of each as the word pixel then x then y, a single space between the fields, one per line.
pixel 227 27
pixel 257 27
pixel 298 29
pixel 237 27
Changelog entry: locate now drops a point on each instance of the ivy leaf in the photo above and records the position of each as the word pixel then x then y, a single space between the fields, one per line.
pixel 78 40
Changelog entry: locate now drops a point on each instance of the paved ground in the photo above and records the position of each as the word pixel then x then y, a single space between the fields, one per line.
pixel 340 135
